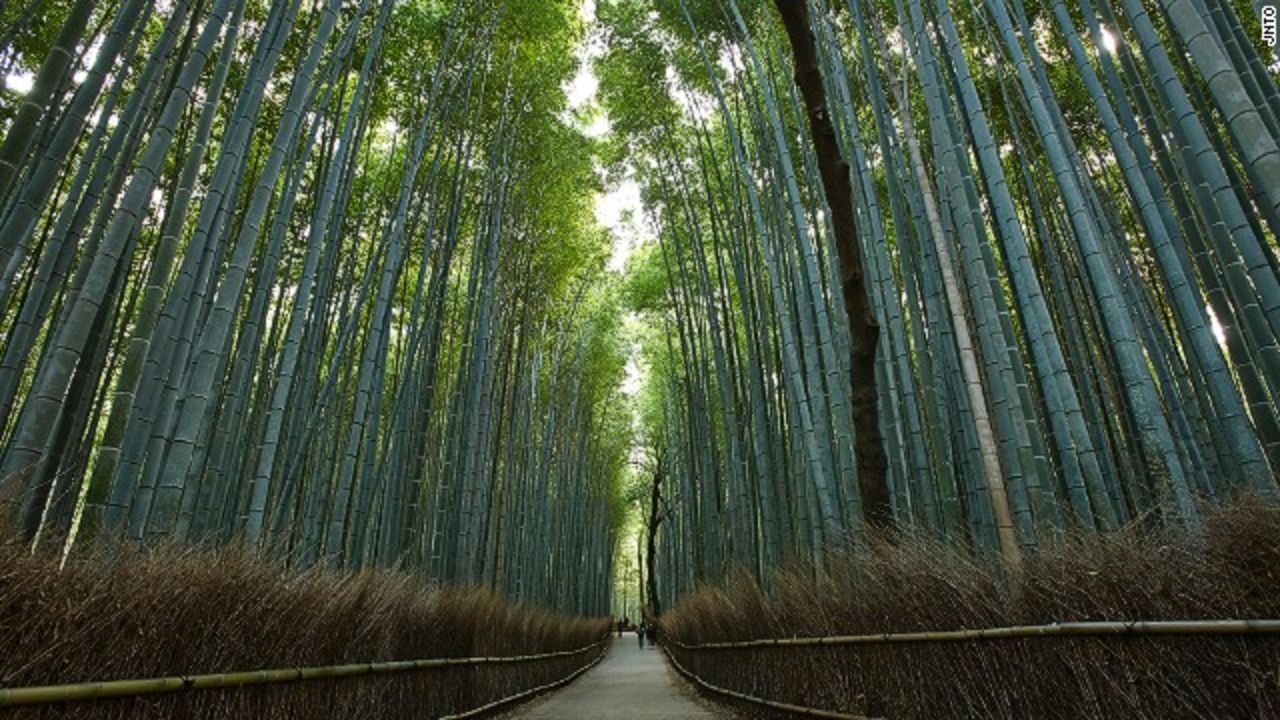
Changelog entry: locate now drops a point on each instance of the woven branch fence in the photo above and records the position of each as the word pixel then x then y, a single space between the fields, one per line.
pixel 59 695
pixel 1225 668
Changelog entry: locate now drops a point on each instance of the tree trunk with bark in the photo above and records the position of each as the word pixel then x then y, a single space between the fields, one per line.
pixel 651 541
pixel 864 331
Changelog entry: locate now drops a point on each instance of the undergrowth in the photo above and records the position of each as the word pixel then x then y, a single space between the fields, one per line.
pixel 1230 570
pixel 174 612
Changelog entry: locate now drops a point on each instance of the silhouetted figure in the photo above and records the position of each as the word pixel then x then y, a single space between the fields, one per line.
pixel 622 625
pixel 651 632
pixel 640 631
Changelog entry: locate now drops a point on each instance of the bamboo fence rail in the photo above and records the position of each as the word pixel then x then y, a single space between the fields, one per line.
pixel 98 690
pixel 774 704
pixel 1090 628
pixel 477 712
pixel 1094 628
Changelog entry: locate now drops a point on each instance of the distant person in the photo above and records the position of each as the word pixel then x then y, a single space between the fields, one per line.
pixel 622 625
pixel 651 632
pixel 640 634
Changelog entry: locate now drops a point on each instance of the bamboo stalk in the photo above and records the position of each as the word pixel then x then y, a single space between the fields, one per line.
pixel 1087 628
pixel 48 694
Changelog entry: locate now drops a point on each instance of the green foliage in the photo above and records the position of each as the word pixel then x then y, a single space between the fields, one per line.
pixel 414 351
pixel 1040 264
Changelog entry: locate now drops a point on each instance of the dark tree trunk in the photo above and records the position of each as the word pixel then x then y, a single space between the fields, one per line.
pixel 651 542
pixel 864 331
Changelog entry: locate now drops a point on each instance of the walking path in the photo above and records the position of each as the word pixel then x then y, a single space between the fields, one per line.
pixel 628 684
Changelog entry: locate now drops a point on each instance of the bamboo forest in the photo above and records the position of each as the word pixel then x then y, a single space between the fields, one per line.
pixel 639 358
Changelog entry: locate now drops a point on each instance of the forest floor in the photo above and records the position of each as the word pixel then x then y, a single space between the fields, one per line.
pixel 630 683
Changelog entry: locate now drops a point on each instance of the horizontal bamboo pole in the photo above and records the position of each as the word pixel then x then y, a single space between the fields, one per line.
pixel 1088 628
pixel 45 694
pixel 764 702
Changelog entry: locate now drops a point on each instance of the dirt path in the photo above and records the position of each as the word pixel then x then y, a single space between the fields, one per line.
pixel 629 683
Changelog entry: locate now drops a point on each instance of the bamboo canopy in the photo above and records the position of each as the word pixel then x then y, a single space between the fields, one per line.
pixel 325 281
pixel 321 280
pixel 1069 249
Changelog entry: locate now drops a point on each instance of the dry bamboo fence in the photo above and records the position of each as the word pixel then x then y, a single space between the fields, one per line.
pixel 1085 628
pixel 764 702
pixel 1094 628
pixel 71 692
